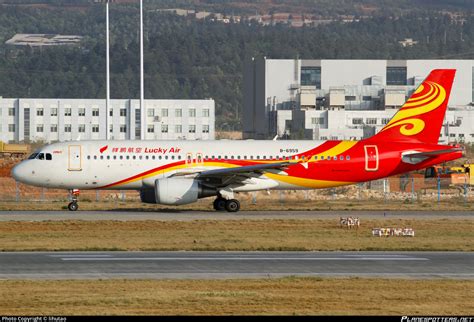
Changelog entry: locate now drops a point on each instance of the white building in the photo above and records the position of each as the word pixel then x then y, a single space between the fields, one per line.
pixel 50 120
pixel 43 40
pixel 345 99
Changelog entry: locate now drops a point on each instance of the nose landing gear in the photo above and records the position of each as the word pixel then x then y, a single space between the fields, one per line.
pixel 73 194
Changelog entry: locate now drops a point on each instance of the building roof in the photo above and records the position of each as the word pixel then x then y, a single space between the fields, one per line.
pixel 39 40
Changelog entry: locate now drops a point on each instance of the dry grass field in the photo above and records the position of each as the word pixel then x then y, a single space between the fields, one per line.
pixel 284 296
pixel 200 235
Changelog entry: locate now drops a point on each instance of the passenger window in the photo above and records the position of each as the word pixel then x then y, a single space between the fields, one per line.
pixel 335 158
pixel 128 157
pixel 348 157
pixel 88 157
pixel 108 157
pixel 341 158
pixel 245 157
pixel 101 157
pixel 95 157
pixel 328 158
pixel 146 157
pixel 49 156
pixel 115 157
pixel 134 157
pixel 172 157
pixel 258 157
pixel 121 157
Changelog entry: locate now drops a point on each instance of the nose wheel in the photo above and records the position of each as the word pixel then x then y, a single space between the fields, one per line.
pixel 73 195
pixel 72 206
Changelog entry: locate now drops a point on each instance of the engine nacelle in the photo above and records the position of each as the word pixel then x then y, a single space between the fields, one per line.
pixel 148 196
pixel 176 191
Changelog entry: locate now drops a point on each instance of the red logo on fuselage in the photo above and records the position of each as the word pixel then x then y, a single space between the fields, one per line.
pixel 102 149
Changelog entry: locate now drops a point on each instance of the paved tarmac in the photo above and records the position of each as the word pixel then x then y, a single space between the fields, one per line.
pixel 188 215
pixel 207 265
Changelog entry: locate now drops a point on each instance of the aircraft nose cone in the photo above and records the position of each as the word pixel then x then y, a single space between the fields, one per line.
pixel 18 172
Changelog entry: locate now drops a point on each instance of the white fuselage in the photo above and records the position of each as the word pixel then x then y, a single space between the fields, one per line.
pixel 114 164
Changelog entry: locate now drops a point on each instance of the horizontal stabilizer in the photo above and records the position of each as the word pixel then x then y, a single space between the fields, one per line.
pixel 416 157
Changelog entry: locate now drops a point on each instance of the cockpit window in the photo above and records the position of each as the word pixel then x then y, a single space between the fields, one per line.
pixel 41 156
pixel 49 156
pixel 33 156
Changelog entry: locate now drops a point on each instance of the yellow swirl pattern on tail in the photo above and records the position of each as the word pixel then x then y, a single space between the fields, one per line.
pixel 415 106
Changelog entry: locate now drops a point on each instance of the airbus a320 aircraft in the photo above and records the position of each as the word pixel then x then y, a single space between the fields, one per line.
pixel 181 172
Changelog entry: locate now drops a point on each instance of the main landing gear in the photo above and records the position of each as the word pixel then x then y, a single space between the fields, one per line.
pixel 231 205
pixel 73 194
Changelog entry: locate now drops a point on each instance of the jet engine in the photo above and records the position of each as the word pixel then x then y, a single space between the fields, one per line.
pixel 176 191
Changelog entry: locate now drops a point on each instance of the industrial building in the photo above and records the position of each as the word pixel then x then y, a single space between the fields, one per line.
pixel 51 120
pixel 345 99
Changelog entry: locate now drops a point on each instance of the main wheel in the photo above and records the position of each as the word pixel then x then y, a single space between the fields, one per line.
pixel 219 204
pixel 232 205
pixel 72 206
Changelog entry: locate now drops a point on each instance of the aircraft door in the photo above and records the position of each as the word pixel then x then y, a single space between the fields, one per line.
pixel 74 158
pixel 371 158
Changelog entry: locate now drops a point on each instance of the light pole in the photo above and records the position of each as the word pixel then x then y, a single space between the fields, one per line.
pixel 107 63
pixel 142 82
pixel 107 66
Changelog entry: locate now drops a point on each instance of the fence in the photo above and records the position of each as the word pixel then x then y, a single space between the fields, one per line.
pixel 406 189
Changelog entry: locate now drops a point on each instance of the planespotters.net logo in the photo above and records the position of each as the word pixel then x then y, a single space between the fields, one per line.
pixel 437 319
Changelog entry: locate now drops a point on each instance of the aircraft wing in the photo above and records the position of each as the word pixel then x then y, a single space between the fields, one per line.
pixel 256 169
pixel 417 157
pixel 225 176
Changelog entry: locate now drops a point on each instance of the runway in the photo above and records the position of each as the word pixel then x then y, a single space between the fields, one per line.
pixel 210 265
pixel 189 215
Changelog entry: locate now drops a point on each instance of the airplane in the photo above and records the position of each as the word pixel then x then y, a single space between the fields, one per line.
pixel 181 172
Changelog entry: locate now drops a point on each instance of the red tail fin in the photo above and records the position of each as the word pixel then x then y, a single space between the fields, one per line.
pixel 421 117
